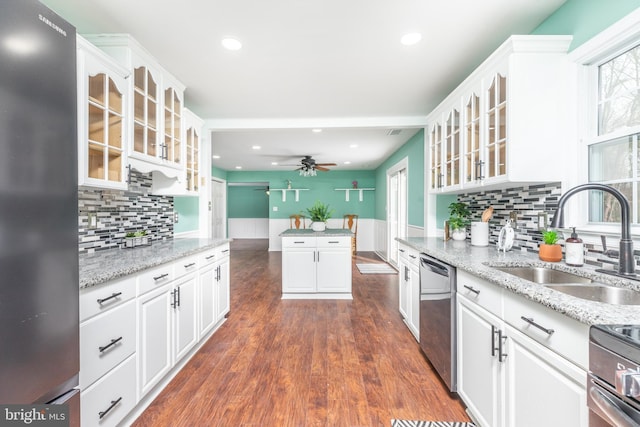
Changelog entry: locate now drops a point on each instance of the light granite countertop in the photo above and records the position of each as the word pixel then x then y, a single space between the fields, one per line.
pixel 103 266
pixel 480 260
pixel 308 232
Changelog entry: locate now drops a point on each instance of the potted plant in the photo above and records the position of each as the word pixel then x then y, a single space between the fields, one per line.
pixel 550 250
pixel 319 214
pixel 136 238
pixel 458 220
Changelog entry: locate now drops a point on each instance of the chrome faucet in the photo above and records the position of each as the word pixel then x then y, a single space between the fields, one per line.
pixel 627 263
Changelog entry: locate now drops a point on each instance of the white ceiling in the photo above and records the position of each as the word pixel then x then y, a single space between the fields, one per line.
pixel 331 64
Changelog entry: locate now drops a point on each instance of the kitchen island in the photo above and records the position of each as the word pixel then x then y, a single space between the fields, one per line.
pixel 316 264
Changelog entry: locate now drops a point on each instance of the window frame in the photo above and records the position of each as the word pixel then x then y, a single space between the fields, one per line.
pixel 606 45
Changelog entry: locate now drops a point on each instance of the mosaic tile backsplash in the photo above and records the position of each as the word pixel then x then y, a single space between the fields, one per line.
pixel 528 201
pixel 119 212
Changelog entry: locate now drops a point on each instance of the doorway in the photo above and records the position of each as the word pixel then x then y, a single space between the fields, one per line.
pixel 218 208
pixel 396 207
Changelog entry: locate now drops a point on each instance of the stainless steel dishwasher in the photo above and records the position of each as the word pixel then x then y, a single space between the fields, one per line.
pixel 437 317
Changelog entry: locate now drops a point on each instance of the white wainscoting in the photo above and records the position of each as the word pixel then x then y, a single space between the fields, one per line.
pixel 248 228
pixel 365 240
pixel 380 236
pixel 415 231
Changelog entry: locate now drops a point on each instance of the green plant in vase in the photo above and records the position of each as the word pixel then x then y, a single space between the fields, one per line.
pixel 319 214
pixel 458 220
pixel 549 249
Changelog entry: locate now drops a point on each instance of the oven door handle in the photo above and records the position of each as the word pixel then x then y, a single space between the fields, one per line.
pixel 615 415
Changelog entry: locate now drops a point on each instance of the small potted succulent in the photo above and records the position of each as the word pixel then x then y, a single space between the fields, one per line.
pixel 319 214
pixel 458 220
pixel 550 250
pixel 136 238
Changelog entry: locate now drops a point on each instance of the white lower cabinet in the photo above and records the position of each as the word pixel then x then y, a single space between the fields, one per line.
pixel 515 375
pixel 136 331
pixel 154 345
pixel 316 267
pixel 409 288
pixel 183 313
pixel 110 398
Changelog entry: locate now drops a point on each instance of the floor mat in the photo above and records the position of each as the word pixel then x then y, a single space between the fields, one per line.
pixel 376 268
pixel 406 423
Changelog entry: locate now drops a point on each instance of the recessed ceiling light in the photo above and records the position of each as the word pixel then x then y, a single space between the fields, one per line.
pixel 353 146
pixel 256 147
pixel 411 39
pixel 274 163
pixel 231 43
pixel 316 130
pixel 238 167
pixel 215 156
pixel 347 162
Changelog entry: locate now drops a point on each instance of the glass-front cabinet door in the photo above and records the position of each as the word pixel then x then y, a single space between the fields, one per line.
pixel 436 156
pixel 452 147
pixel 101 119
pixel 473 165
pixel 145 113
pixel 192 142
pixel 172 147
pixel 497 127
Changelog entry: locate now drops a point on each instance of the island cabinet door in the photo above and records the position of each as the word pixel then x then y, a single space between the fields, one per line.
pixel 334 270
pixel 299 270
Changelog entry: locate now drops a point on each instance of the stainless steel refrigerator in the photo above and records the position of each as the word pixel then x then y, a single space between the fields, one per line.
pixel 39 350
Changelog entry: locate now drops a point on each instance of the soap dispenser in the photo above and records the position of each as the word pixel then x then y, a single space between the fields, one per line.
pixel 574 250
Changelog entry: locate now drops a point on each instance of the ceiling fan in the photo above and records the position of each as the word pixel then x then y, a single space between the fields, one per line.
pixel 308 166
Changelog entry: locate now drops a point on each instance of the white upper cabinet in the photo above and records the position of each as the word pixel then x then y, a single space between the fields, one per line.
pixel 508 122
pixel 102 116
pixel 155 127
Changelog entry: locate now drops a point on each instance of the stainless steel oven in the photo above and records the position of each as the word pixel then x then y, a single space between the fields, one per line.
pixel 613 384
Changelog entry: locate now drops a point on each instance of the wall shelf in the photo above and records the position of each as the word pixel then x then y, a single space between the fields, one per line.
pixel 284 192
pixel 359 190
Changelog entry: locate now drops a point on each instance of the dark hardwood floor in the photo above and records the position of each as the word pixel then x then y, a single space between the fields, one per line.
pixel 304 362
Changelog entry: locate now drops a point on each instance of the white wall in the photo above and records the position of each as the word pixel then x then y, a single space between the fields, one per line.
pixel 249 228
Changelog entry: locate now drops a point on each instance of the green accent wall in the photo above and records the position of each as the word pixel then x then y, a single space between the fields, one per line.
pixel 585 18
pixel 218 173
pixel 414 150
pixel 247 202
pixel 188 215
pixel 321 187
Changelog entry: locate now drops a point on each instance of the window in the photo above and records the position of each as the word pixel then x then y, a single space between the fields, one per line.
pixel 613 151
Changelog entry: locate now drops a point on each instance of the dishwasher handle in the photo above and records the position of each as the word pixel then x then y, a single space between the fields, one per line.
pixel 433 266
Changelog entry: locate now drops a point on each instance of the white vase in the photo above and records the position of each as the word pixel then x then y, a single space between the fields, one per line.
pixel 459 234
pixel 318 226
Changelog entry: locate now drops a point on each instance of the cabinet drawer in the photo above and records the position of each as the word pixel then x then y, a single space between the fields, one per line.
pixel 155 278
pixel 569 338
pixel 98 299
pixel 299 242
pixel 331 242
pixel 481 292
pixel 222 251
pixel 208 257
pixel 116 390
pixel 97 353
pixel 186 265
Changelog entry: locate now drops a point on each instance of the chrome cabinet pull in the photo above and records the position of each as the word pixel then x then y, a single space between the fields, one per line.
pixel 190 265
pixel 333 241
pixel 113 403
pixel 113 342
pixel 501 340
pixel 210 256
pixel 475 291
pixel 225 250
pixel 412 256
pixel 494 331
pixel 113 295
pixel 174 302
pixel 406 273
pixel 530 321
pixel 299 242
pixel 401 250
pixel 162 276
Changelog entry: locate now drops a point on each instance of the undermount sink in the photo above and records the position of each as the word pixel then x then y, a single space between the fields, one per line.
pixel 600 293
pixel 544 275
pixel 574 285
